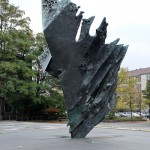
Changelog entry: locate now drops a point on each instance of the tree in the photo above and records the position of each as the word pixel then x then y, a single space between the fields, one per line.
pixel 122 80
pixel 147 95
pixel 29 90
pixel 16 39
pixel 49 94
pixel 128 96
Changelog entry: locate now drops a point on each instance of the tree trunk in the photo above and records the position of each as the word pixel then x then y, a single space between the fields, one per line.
pixel 2 103
pixel 0 109
pixel 140 104
pixel 149 111
pixel 131 109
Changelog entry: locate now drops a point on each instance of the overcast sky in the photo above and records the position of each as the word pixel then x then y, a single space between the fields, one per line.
pixel 128 20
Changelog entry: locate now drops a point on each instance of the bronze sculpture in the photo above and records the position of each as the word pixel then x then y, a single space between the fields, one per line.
pixel 87 68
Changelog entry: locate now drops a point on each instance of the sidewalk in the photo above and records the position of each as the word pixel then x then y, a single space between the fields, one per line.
pixel 51 136
pixel 131 125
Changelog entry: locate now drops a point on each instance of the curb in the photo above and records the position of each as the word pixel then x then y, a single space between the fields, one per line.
pixel 123 128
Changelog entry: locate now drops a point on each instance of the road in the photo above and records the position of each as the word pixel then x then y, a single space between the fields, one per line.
pixel 49 136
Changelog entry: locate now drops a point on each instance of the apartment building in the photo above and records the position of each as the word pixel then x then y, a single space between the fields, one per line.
pixel 142 75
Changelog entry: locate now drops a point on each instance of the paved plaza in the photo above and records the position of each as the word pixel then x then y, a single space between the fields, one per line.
pixel 51 136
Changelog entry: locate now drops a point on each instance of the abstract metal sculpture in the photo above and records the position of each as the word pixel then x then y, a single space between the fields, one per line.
pixel 87 68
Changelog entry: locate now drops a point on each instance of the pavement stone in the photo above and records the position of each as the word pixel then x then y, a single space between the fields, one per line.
pixel 51 136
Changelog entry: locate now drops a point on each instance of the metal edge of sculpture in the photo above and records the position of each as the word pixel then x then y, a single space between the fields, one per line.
pixel 87 68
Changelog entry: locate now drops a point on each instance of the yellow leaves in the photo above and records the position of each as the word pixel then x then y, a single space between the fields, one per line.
pixel 121 105
pixel 123 76
pixel 127 92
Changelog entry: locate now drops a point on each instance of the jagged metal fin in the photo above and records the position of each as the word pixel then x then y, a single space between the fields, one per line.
pixel 44 59
pixel 86 24
pixel 101 31
pixel 98 63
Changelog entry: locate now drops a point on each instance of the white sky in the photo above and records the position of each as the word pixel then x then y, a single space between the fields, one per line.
pixel 128 19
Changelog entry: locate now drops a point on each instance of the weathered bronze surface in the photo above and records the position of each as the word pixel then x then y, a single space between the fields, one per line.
pixel 87 68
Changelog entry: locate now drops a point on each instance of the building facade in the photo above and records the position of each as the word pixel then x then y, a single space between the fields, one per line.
pixel 142 75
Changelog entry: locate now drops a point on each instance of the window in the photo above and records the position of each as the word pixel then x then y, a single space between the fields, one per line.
pixel 138 78
pixel 148 76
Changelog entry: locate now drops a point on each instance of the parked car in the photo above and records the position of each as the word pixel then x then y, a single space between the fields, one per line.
pixel 147 116
pixel 120 114
pixel 135 114
pixel 141 114
pixel 126 114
